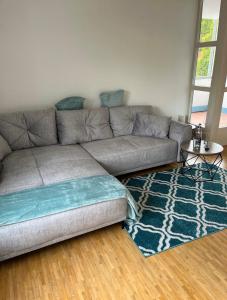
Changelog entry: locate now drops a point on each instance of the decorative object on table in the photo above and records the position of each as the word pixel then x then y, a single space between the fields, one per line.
pixel 112 98
pixel 190 168
pixel 206 146
pixel 197 137
pixel 175 210
pixel 70 103
pixel 151 125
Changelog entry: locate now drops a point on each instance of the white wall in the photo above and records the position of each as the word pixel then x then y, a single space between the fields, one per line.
pixel 50 49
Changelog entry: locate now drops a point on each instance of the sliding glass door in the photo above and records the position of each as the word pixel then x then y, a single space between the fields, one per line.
pixel 208 104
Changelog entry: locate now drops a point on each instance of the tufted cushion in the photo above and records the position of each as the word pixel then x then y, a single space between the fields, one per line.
pixel 151 125
pixel 28 129
pixel 1 168
pixel 4 148
pixel 80 126
pixel 122 118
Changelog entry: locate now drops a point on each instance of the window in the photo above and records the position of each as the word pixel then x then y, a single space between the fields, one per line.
pixel 205 59
pixel 204 66
pixel 209 20
pixel 199 107
pixel 208 101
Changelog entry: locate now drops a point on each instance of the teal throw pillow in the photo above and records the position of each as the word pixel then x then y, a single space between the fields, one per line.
pixel 111 99
pixel 70 103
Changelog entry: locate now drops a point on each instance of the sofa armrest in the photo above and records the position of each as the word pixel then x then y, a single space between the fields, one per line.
pixel 181 133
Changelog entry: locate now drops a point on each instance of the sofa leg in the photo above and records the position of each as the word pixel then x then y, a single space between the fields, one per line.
pixel 122 225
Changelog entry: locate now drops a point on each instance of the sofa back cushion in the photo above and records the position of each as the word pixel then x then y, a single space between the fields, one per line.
pixel 81 126
pixel 151 125
pixel 29 129
pixel 122 118
pixel 4 148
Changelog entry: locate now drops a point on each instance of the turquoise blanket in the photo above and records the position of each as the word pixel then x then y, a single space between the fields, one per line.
pixel 47 200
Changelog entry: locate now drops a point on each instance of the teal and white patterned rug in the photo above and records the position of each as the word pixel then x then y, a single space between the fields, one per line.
pixel 175 210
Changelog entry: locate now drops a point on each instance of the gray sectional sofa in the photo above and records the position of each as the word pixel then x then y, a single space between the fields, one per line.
pixel 48 147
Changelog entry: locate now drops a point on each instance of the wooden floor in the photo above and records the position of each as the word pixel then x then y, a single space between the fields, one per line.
pixel 106 264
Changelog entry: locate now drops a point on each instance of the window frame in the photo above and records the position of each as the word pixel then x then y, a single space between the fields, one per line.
pixel 218 87
pixel 198 45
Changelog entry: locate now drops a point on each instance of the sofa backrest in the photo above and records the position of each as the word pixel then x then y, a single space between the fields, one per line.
pixel 43 128
pixel 29 129
pixel 81 126
pixel 122 118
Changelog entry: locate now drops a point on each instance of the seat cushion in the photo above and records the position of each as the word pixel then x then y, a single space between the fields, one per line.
pixel 35 167
pixel 59 163
pixel 122 118
pixel 29 129
pixel 130 153
pixel 85 125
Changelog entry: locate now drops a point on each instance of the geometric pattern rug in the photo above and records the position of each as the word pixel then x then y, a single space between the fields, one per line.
pixel 175 210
